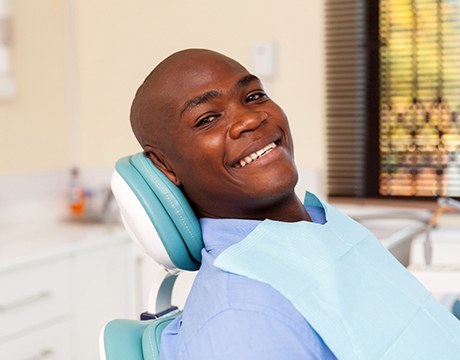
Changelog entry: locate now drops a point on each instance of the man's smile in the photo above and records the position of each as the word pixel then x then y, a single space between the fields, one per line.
pixel 255 155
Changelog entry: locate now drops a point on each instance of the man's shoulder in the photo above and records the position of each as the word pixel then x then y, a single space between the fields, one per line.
pixel 216 293
pixel 231 311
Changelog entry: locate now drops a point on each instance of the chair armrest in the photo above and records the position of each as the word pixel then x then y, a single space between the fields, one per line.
pixel 121 339
pixel 152 336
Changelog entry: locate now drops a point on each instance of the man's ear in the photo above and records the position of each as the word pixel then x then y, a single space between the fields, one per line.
pixel 161 163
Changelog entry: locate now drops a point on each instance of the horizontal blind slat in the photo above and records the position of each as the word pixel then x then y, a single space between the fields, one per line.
pixel 345 95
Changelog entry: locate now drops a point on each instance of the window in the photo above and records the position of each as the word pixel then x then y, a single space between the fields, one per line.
pixel 393 97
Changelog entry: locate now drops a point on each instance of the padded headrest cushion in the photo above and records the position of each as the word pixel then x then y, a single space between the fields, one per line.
pixel 150 203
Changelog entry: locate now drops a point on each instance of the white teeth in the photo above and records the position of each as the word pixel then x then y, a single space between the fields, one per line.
pixel 260 152
pixel 255 155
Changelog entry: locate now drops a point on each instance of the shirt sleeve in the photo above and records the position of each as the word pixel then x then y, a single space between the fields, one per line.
pixel 251 335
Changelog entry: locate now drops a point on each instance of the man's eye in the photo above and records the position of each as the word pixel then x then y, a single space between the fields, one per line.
pixel 256 96
pixel 206 120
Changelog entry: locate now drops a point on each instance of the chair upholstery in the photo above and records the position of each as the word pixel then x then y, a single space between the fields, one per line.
pixel 123 339
pixel 158 217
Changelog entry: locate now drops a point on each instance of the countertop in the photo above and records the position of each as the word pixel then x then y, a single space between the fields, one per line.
pixel 39 229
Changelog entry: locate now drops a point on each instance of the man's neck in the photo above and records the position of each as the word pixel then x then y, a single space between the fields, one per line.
pixel 288 211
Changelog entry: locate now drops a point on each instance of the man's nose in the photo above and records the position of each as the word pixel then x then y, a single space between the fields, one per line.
pixel 246 120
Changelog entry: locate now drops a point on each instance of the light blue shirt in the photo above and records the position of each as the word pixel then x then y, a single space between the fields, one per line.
pixel 227 316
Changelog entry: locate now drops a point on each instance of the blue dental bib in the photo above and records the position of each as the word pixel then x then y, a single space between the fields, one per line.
pixel 355 294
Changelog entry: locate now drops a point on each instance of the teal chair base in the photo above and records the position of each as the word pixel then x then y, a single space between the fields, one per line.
pixel 133 339
pixel 124 339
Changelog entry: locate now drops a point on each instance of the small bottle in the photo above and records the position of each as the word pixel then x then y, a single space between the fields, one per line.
pixel 76 195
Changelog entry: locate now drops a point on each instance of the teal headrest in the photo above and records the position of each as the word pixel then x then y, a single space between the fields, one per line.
pixel 165 207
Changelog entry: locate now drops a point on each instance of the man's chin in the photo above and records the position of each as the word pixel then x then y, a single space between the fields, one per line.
pixel 272 188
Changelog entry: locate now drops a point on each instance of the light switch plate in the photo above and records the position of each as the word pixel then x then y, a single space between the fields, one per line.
pixel 264 59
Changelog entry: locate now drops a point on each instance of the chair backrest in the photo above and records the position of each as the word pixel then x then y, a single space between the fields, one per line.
pixel 156 213
pixel 159 218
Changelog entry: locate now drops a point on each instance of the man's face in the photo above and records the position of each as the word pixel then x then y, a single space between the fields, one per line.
pixel 228 144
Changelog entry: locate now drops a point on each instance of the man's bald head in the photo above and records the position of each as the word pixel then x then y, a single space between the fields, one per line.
pixel 154 107
pixel 208 125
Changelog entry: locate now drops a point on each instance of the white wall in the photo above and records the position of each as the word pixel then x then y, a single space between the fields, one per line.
pixel 33 125
pixel 77 64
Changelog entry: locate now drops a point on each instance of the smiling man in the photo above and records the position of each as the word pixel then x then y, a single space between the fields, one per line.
pixel 207 123
pixel 278 279
pixel 209 126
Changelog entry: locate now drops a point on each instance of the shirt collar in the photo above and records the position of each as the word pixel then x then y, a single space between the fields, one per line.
pixel 219 234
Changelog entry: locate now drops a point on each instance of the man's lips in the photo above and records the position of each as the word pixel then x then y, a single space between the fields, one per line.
pixel 255 155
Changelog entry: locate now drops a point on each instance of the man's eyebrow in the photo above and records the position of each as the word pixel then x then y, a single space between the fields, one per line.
pixel 246 80
pixel 200 99
pixel 207 96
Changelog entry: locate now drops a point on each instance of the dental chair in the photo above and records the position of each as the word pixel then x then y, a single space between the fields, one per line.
pixel 158 217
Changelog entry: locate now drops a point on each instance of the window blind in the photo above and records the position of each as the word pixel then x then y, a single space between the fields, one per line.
pixel 393 97
pixel 345 35
pixel 420 98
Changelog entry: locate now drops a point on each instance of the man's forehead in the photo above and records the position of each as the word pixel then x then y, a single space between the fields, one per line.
pixel 193 65
pixel 191 78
